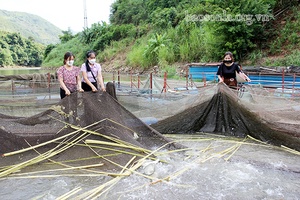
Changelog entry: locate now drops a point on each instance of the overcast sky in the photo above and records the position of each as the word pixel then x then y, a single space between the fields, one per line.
pixel 63 13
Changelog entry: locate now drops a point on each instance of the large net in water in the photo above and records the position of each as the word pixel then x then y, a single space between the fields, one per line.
pixel 260 113
pixel 37 80
pixel 76 119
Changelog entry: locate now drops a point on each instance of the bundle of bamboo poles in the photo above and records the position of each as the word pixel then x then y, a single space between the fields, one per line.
pixel 138 157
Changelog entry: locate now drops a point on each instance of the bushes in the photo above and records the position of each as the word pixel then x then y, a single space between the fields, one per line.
pixel 101 35
pixel 5 57
pixel 204 40
pixel 163 32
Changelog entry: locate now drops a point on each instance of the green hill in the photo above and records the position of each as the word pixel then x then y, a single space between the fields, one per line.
pixel 29 26
pixel 168 33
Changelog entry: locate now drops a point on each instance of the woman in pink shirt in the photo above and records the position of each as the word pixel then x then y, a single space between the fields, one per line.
pixel 91 73
pixel 68 76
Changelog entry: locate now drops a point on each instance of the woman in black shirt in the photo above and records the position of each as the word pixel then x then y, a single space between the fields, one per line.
pixel 227 71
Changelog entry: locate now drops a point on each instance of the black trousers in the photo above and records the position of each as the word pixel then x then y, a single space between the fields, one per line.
pixel 86 87
pixel 62 93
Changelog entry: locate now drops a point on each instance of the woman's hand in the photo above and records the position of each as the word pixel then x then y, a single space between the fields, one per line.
pixel 80 90
pixel 221 79
pixel 246 78
pixel 94 89
pixel 103 89
pixel 68 92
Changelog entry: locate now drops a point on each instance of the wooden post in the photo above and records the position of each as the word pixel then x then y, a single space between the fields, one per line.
pixel 165 83
pixel 139 81
pixel 192 82
pixel 12 86
pixel 151 86
pixel 293 88
pixel 119 79
pixel 49 81
pixel 114 78
pixel 187 77
pixel 131 83
pixel 282 80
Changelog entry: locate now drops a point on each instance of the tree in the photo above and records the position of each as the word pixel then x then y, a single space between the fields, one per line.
pixel 67 35
pixel 48 50
pixel 16 50
pixel 5 57
pixel 236 24
pixel 155 44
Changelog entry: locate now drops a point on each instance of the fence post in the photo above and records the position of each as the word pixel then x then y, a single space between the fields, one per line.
pixel 139 81
pixel 151 79
pixel 131 80
pixel 204 79
pixel 118 78
pixel 282 80
pixel 293 88
pixel 49 81
pixel 114 78
pixel 48 78
pixel 12 86
pixel 187 77
pixel 192 82
pixel 165 83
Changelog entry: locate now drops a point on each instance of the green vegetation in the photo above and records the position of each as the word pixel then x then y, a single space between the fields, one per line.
pixel 282 47
pixel 165 33
pixel 98 37
pixel 29 26
pixel 16 50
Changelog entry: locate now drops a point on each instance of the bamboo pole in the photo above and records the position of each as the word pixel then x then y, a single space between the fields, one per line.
pixel 48 142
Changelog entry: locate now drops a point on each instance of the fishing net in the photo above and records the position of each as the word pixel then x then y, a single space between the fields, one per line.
pixel 80 123
pixel 28 94
pixel 36 80
pixel 221 110
pixel 75 126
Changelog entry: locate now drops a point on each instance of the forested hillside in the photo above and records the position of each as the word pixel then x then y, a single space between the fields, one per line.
pixel 17 50
pixel 167 33
pixel 23 38
pixel 29 26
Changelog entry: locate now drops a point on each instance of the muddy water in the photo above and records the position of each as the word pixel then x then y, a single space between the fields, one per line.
pixel 252 171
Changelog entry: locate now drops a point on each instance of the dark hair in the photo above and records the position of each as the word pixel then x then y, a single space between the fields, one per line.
pixel 230 54
pixel 68 55
pixel 88 54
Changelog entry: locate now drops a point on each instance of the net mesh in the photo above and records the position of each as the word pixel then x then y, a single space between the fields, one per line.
pixel 260 113
pixel 81 110
pixel 125 114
